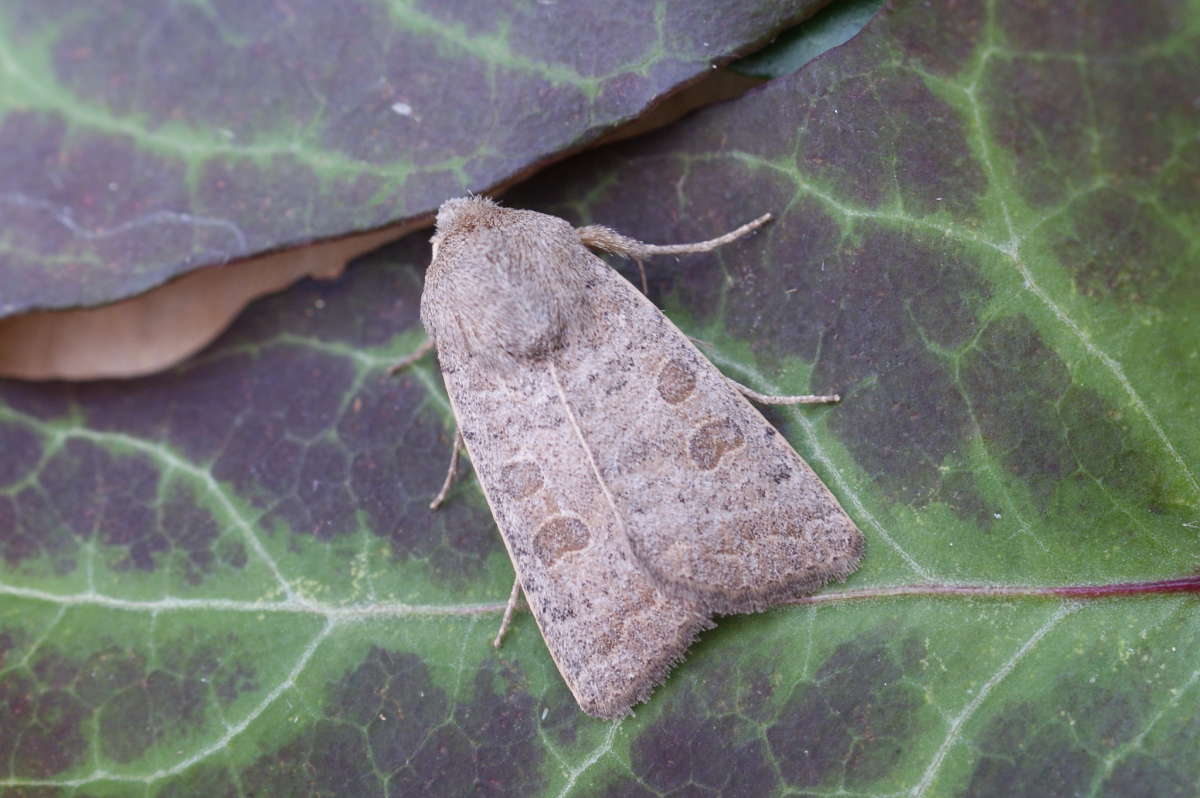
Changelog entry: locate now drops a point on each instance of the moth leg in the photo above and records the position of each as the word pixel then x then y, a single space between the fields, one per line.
pixel 421 351
pixel 451 472
pixel 642 271
pixel 771 399
pixel 514 598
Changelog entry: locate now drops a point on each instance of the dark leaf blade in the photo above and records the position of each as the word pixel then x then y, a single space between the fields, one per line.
pixel 1009 417
pixel 142 141
pixel 908 268
pixel 1005 321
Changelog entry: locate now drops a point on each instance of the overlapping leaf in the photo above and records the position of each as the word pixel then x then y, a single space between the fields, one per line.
pixel 224 581
pixel 140 140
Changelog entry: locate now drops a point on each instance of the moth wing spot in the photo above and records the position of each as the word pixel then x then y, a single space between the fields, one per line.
pixel 711 441
pixel 521 478
pixel 604 643
pixel 559 536
pixel 787 524
pixel 779 472
pixel 676 381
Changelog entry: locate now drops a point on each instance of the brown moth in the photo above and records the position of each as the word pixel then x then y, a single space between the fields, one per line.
pixel 637 490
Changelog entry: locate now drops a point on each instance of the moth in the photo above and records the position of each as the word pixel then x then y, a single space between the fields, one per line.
pixel 637 490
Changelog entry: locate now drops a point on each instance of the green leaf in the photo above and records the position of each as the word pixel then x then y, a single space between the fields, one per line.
pixel 224 580
pixel 833 25
pixel 142 140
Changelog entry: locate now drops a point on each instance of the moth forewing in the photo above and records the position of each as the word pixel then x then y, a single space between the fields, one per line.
pixel 637 492
pixel 728 514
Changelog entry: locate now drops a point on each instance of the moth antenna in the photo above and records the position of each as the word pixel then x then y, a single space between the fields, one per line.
pixel 606 239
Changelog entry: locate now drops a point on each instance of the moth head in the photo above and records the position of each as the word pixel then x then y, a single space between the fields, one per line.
pixel 504 284
pixel 465 215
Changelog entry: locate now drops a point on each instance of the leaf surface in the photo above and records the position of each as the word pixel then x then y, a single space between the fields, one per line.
pixel 141 140
pixel 224 580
